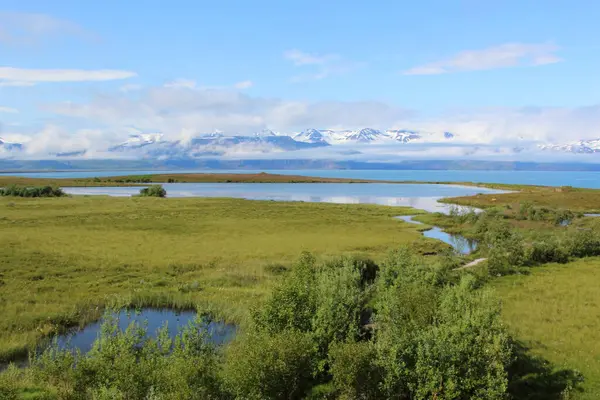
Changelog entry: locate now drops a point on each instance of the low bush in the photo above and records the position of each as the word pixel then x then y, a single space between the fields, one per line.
pixel 547 251
pixel 36 191
pixel 354 369
pixel 271 366
pixel 153 191
pixel 131 365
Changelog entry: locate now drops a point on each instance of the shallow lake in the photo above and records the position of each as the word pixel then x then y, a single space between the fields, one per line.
pixel 153 320
pixel 420 196
pixel 586 179
pixel 460 243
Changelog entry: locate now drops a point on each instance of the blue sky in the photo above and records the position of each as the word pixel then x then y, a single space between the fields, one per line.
pixel 489 69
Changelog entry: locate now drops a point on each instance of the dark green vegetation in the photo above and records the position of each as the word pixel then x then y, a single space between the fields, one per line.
pixel 153 191
pixel 36 191
pixel 64 259
pixel 344 328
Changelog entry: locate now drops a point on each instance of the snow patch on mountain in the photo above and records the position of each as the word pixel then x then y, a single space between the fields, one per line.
pixel 10 146
pixel 370 135
pixel 138 140
pixel 581 146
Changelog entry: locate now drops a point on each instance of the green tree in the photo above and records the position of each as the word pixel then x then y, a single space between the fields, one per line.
pixel 153 191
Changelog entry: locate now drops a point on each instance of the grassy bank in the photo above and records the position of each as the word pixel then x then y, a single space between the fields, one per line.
pixel 129 180
pixel 575 199
pixel 64 257
pixel 556 313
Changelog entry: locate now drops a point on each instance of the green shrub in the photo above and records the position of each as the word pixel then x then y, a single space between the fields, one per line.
pixel 9 389
pixel 270 366
pixel 461 351
pixel 291 305
pixel 583 243
pixel 153 191
pixel 130 365
pixel 339 302
pixel 563 217
pixel 547 251
pixel 36 191
pixel 355 372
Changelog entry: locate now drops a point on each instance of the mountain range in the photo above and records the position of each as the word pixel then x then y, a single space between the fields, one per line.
pixel 155 145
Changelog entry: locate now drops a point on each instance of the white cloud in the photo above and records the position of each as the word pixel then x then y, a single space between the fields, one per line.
pixel 181 83
pixel 8 110
pixel 244 85
pixel 26 28
pixel 502 56
pixel 517 125
pixel 130 87
pixel 179 112
pixel 16 83
pixel 10 76
pixel 322 65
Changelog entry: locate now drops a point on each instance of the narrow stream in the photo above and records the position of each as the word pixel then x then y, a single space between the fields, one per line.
pixel 458 242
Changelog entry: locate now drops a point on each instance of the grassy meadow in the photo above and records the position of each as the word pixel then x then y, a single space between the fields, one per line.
pixel 555 312
pixel 574 199
pixel 63 259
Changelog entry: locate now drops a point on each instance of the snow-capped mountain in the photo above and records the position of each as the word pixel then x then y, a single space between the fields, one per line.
pixel 9 146
pixel 369 135
pixel 266 133
pixel 218 143
pixel 581 146
pixel 136 141
pixel 311 136
pixel 403 135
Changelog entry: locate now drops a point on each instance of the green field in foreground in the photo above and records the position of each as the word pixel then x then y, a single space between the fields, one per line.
pixel 62 258
pixel 555 311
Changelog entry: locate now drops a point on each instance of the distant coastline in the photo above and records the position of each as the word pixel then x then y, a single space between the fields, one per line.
pixel 15 166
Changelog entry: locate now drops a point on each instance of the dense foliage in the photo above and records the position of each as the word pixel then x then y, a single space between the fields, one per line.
pixel 153 191
pixel 36 191
pixel 344 328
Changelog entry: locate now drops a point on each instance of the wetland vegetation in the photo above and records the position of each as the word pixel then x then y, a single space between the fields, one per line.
pixel 370 309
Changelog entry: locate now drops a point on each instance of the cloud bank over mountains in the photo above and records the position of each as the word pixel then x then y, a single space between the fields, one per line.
pixel 182 111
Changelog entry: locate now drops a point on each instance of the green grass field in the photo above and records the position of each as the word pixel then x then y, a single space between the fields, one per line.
pixel 555 311
pixel 575 199
pixel 62 259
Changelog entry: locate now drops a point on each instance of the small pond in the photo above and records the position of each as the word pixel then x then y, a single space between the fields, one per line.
pixel 458 242
pixel 153 319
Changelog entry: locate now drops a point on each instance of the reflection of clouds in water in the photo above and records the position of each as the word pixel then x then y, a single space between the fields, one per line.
pixel 424 197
